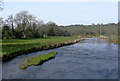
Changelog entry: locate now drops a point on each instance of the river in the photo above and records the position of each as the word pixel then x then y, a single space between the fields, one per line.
pixel 92 58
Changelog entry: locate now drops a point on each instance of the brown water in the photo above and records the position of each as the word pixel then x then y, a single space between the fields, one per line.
pixel 92 59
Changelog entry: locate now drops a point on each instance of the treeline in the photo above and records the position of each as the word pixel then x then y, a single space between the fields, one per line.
pixel 99 29
pixel 25 25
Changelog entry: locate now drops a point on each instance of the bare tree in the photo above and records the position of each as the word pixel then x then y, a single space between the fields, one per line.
pixel 21 19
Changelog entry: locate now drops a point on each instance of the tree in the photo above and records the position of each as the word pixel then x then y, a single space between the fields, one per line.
pixel 21 19
pixel 10 22
pixel 27 24
pixel 51 26
pixel 1 22
pixel 6 32
pixel 51 31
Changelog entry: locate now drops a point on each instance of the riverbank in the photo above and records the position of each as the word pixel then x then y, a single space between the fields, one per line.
pixel 15 47
pixel 111 38
pixel 93 56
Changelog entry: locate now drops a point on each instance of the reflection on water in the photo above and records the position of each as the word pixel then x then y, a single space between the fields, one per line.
pixel 91 59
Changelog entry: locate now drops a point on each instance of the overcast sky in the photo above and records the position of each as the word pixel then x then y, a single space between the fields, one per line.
pixel 65 13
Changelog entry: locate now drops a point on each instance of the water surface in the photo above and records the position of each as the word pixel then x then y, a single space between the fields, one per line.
pixel 91 59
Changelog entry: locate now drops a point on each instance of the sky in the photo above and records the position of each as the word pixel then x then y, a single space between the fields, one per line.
pixel 61 0
pixel 119 12
pixel 66 13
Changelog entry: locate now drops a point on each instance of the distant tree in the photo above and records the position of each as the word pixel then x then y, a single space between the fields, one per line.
pixel 6 32
pixel 1 19
pixel 35 31
pixel 10 22
pixel 28 25
pixel 1 23
pixel 21 19
pixel 18 32
pixel 57 31
pixel 51 31
pixel 51 26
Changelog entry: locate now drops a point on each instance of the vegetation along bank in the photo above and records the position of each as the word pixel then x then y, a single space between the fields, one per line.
pixel 15 47
pixel 24 33
pixel 37 60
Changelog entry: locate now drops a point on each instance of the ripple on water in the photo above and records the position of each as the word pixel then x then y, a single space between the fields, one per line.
pixel 92 59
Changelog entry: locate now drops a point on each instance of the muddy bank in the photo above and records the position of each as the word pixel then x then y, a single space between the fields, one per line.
pixel 35 49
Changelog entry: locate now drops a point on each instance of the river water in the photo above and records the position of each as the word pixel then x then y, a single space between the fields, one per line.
pixel 93 58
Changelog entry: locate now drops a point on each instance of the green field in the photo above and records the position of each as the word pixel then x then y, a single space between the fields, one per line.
pixel 14 47
pixel 70 28
pixel 105 29
pixel 10 46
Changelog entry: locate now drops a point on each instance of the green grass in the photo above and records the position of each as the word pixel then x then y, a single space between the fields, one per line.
pixel 37 60
pixel 90 36
pixel 76 30
pixel 11 46
pixel 114 39
pixel 70 28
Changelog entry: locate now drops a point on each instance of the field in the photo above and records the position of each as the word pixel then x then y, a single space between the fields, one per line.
pixel 70 28
pixel 11 46
pixel 14 47
pixel 105 29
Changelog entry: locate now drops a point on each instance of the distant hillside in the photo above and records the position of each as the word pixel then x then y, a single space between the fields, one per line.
pixel 92 29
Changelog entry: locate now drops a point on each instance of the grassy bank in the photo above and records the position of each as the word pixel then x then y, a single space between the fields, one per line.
pixel 37 60
pixel 90 36
pixel 115 39
pixel 15 47
pixel 111 38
